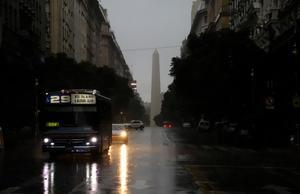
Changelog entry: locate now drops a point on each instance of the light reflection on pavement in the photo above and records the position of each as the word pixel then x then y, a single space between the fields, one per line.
pixel 147 164
pixel 123 169
pixel 48 178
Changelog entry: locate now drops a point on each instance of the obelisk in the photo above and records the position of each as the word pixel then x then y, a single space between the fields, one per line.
pixel 155 88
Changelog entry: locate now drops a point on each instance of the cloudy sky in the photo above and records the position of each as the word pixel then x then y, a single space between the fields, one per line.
pixel 141 24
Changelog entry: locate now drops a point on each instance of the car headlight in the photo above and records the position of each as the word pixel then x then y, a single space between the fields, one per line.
pixel 46 140
pixel 94 139
pixel 123 134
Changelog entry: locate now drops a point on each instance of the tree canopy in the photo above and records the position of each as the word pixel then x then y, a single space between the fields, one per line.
pixel 62 72
pixel 214 79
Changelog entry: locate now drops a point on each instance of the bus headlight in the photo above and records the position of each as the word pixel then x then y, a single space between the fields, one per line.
pixel 94 140
pixel 46 140
pixel 123 134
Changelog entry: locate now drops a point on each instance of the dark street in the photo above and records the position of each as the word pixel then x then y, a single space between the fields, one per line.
pixel 146 165
pixel 149 97
pixel 155 160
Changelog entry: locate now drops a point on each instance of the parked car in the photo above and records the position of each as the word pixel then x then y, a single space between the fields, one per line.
pixel 136 124
pixel 119 133
pixel 203 125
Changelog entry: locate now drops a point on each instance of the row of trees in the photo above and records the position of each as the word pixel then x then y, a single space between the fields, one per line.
pixel 23 83
pixel 225 76
pixel 62 72
pixel 214 79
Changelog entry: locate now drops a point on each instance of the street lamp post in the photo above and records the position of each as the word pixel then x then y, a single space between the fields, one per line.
pixel 36 109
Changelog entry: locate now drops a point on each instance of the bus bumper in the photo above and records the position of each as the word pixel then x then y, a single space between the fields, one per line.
pixel 70 149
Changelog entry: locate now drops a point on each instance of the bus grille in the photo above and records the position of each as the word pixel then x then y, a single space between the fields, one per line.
pixel 73 142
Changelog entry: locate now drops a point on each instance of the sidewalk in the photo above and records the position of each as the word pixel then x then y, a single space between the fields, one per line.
pixel 191 135
pixel 29 149
pixel 207 151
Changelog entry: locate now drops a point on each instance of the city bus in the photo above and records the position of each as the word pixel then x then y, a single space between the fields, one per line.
pixel 76 121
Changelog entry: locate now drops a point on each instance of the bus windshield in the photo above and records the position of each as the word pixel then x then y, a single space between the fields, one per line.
pixel 71 116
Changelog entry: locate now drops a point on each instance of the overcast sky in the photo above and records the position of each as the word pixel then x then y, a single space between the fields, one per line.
pixel 149 24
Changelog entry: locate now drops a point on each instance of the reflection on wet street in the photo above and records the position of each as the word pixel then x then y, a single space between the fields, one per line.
pixel 105 175
pixel 48 177
pixel 155 161
pixel 145 165
pixel 123 169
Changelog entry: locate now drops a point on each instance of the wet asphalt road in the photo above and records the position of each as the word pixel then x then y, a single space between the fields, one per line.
pixel 155 161
pixel 146 165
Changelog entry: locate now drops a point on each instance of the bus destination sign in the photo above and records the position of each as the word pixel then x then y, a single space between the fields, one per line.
pixel 83 99
pixel 71 99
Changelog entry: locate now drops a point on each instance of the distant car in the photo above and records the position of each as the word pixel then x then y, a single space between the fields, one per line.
pixel 119 133
pixel 203 125
pixel 167 124
pixel 136 124
pixel 232 127
pixel 186 124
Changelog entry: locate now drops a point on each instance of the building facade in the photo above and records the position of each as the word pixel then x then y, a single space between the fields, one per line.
pixel 199 17
pixel 81 29
pixel 110 52
pixel 218 14
pixel 267 20
pixel 22 25
pixel 60 27
pixel 207 16
pixel 210 15
pixel 87 18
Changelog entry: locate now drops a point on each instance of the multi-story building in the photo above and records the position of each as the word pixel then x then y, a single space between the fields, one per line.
pixel 209 15
pixel 80 29
pixel 87 19
pixel 74 28
pixel 22 25
pixel 266 20
pixel 218 14
pixel 199 17
pixel 110 51
pixel 60 27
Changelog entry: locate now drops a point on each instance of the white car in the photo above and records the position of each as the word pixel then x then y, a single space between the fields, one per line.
pixel 136 124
